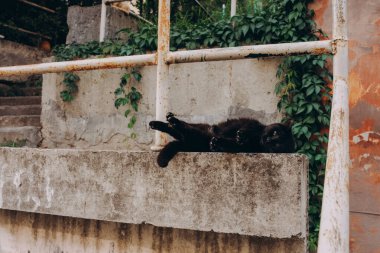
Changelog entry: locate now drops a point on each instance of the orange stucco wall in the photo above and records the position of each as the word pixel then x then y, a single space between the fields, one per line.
pixel 364 83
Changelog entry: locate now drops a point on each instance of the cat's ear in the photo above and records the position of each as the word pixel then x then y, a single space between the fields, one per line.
pixel 288 123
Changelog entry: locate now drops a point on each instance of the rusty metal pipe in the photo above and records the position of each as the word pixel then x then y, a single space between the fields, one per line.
pixel 79 65
pixel 334 229
pixel 216 54
pixel 245 52
pixel 162 90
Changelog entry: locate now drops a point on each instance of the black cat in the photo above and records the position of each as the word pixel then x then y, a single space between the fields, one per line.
pixel 234 135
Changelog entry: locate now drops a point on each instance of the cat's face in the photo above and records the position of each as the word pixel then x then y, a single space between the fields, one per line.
pixel 277 138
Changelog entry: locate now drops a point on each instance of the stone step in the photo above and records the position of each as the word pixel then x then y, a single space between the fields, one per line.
pixel 15 91
pixel 30 135
pixel 31 91
pixel 29 100
pixel 20 120
pixel 20 110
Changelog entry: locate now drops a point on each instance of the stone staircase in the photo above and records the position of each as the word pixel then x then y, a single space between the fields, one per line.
pixel 20 121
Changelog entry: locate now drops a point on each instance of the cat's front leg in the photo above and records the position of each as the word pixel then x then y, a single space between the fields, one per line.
pixel 166 128
pixel 168 152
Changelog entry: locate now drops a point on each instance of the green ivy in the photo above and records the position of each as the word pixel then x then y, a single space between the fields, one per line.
pixel 70 81
pixel 127 95
pixel 304 93
pixel 305 100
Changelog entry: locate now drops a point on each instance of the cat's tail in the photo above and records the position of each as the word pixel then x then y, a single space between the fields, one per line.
pixel 167 153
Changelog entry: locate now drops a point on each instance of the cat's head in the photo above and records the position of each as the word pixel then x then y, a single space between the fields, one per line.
pixel 277 138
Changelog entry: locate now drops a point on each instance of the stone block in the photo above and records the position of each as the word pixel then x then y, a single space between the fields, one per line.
pixel 262 195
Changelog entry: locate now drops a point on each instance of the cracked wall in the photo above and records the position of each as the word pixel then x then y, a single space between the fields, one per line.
pixel 364 101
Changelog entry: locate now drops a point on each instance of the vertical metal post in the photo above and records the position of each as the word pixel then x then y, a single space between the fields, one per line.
pixel 103 19
pixel 162 100
pixel 233 8
pixel 334 229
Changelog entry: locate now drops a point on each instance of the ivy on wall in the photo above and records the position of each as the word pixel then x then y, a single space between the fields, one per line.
pixel 129 97
pixel 303 90
pixel 70 81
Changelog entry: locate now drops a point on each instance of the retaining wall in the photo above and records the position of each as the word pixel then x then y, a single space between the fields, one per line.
pixel 239 202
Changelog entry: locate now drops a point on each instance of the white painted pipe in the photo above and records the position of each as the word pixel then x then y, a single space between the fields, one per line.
pixel 233 53
pixel 103 21
pixel 162 90
pixel 79 65
pixel 334 228
pixel 233 8
pixel 215 54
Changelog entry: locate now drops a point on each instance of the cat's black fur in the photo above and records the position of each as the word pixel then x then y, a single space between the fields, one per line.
pixel 233 135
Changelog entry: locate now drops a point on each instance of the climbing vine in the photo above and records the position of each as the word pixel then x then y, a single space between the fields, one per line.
pixel 70 81
pixel 303 90
pixel 129 97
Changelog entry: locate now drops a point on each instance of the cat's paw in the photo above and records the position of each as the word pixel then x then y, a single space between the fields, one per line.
pixel 162 162
pixel 154 124
pixel 169 115
pixel 241 136
pixel 214 144
pixel 173 121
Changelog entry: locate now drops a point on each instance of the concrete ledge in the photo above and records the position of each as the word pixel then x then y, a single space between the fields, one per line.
pixel 261 195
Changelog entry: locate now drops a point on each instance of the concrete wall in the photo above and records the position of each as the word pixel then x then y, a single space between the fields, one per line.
pixel 84 23
pixel 260 195
pixel 364 83
pixel 41 233
pixel 200 92
pixel 12 53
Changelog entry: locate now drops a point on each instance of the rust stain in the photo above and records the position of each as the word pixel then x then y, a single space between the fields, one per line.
pixel 320 8
pixel 352 55
pixel 319 51
pixel 364 80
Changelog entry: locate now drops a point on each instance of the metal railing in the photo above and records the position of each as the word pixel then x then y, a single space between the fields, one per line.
pixel 334 229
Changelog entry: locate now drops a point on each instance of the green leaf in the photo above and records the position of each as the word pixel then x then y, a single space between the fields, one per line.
pixel 132 121
pixel 310 91
pixel 137 76
pixel 252 26
pixel 260 24
pixel 245 29
pixel 126 113
pixel 124 79
pixel 119 91
pixel 135 106
pixel 119 102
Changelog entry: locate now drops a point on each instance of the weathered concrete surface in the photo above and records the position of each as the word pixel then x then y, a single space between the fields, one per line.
pixel 261 195
pixel 31 134
pixel 12 53
pixel 32 232
pixel 84 23
pixel 364 83
pixel 200 92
